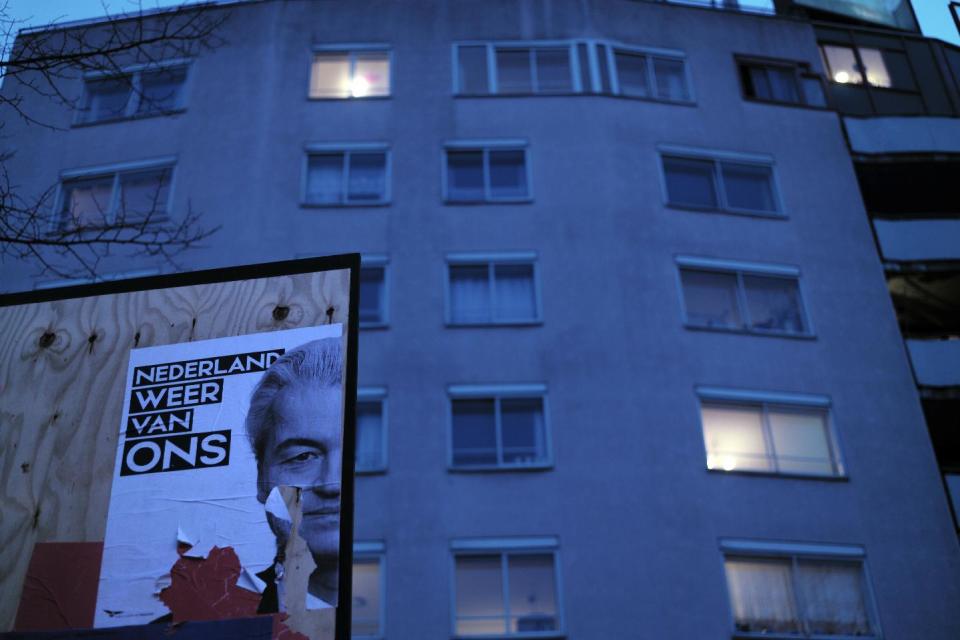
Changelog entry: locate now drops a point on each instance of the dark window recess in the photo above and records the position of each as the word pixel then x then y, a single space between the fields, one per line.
pixel 782 82
pixel 910 189
pixel 927 303
pixel 943 421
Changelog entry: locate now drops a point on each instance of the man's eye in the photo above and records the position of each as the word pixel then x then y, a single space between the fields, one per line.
pixel 304 457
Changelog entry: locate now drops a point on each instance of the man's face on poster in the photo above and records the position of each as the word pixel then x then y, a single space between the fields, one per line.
pixel 303 448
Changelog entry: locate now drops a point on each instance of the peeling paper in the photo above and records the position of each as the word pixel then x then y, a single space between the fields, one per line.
pixel 162 583
pixel 200 550
pixel 183 538
pixel 276 506
pixel 251 581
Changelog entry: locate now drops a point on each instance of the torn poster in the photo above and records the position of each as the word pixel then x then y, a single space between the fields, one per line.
pixel 209 430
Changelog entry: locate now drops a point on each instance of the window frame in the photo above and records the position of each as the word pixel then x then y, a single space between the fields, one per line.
pixel 497 393
pixel 346 149
pixel 491 260
pixel 861 67
pixel 381 261
pixel 465 547
pixel 740 269
pixel 801 70
pixel 491 47
pixel 735 548
pixel 609 51
pixel 765 401
pixel 486 146
pixel 374 549
pixel 718 158
pixel 351 50
pixel 376 393
pixel 135 73
pixel 114 171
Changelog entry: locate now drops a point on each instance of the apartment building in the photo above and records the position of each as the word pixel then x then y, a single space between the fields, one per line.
pixel 629 365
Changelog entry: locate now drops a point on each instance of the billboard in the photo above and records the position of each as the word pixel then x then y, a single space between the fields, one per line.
pixel 210 474
pixel 892 13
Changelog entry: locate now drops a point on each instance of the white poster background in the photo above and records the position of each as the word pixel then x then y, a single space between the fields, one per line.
pixel 205 507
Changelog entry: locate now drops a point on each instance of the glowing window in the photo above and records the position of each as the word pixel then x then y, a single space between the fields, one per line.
pixel 881 68
pixel 350 74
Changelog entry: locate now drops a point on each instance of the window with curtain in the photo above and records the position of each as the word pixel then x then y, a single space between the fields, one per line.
pixel 781 82
pixel 506 593
pixel 498 429
pixel 497 173
pixel 714 183
pixel 144 91
pixel 502 291
pixel 798 595
pixel 352 176
pixel 115 197
pixel 343 74
pixel 768 437
pixel 518 68
pixel 373 292
pixel 371 455
pixel 648 74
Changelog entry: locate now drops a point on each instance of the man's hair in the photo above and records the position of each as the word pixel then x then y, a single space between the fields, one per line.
pixel 318 363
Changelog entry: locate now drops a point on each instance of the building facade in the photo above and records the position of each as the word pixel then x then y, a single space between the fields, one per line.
pixel 629 367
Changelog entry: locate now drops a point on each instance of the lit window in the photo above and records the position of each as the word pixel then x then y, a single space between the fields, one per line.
pixel 742 296
pixel 487 172
pixel 368 591
pixel 355 175
pixel 518 69
pixel 803 591
pixel 362 73
pixel 498 427
pixel 785 434
pixel 373 291
pixel 781 81
pixel 128 194
pixel 718 181
pixel 371 429
pixel 506 592
pixel 146 91
pixel 882 68
pixel 492 289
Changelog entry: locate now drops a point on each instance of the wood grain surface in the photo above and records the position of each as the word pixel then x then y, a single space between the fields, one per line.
pixel 62 375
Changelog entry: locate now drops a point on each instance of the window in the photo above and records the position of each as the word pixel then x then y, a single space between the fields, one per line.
pixel 719 181
pixel 758 298
pixel 139 92
pixel 516 68
pixel 486 172
pixel 879 68
pixel 803 591
pixel 492 289
pixel 371 430
pixel 643 73
pixel 373 291
pixel 498 427
pixel 506 588
pixel 781 81
pixel 119 194
pixel 367 609
pixel 787 434
pixel 353 175
pixel 360 72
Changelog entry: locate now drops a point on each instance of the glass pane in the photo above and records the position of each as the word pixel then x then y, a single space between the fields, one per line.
pixel 762 595
pixel 330 76
pixel 813 91
pixel 671 79
pixel 733 436
pixel 522 432
pixel 508 174
pixel 783 84
pixel 533 604
pixel 800 441
pixel 748 186
pixel 160 90
pixel 513 71
pixel 842 64
pixel 465 175
pixel 553 70
pixel 371 75
pixel 143 193
pixel 898 70
pixel 469 294
pixel 877 74
pixel 87 202
pixel 366 597
pixel 107 98
pixel 833 598
pixel 759 83
pixel 473 69
pixel 711 298
pixel 515 296
pixel 690 182
pixel 480 603
pixel 368 177
pixel 325 178
pixel 774 304
pixel 632 74
pixel 369 435
pixel 474 432
pixel 371 294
